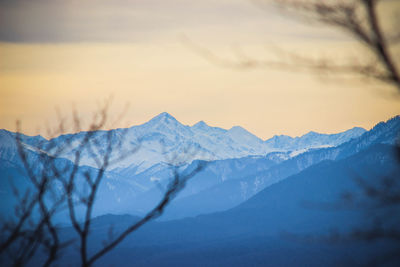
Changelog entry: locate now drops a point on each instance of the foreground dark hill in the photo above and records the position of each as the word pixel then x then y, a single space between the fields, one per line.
pixel 309 203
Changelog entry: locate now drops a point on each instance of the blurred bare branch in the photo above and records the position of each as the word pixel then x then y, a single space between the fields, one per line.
pixel 58 184
pixel 358 18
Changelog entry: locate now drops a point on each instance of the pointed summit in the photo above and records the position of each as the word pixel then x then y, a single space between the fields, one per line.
pixel 200 125
pixel 164 118
pixel 164 115
pixel 239 134
pixel 238 129
pixel 163 123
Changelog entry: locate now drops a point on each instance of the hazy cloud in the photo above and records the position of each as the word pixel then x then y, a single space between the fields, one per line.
pixel 57 21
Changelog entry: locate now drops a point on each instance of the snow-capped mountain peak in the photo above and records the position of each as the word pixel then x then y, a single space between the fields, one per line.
pixel 163 136
pixel 242 136
pixel 201 125
pixel 163 119
pixel 312 139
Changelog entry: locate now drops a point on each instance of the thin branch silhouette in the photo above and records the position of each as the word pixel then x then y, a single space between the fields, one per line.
pixel 59 181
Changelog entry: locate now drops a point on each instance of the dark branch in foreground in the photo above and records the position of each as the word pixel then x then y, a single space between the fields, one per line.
pixel 176 185
pixel 357 18
pixel 56 185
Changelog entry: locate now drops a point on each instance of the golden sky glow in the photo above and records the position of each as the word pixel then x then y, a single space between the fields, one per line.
pixel 156 72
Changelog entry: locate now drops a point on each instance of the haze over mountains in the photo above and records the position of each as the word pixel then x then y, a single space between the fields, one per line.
pixel 250 191
pixel 241 164
pixel 273 227
pixel 163 136
pixel 235 153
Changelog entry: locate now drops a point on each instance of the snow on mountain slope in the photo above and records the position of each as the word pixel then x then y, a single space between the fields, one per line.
pixel 9 148
pixel 230 181
pixel 312 140
pixel 383 133
pixel 163 137
pixel 242 185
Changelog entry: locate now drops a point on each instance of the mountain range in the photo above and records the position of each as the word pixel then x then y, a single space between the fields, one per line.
pixel 234 155
pixel 303 220
pixel 254 203
pixel 163 136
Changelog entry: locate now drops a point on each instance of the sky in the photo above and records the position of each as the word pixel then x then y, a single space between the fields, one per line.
pixel 60 55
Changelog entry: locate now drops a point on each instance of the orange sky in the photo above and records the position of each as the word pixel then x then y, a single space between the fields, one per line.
pixel 135 54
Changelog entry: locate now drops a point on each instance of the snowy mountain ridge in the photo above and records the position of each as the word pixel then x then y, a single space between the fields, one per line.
pixel 163 136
